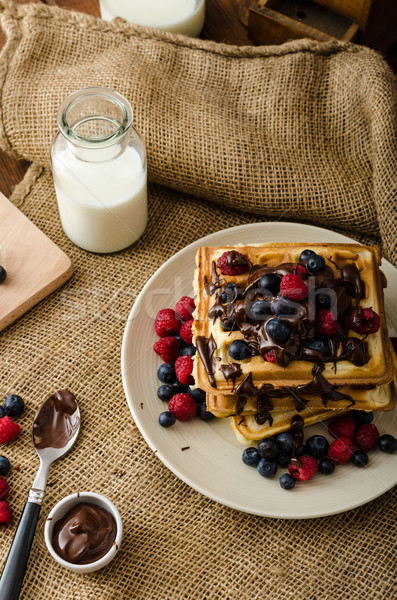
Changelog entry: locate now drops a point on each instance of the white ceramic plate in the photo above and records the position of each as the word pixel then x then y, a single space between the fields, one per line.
pixel 212 463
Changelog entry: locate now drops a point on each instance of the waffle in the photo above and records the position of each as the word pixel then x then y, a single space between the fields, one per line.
pixel 248 430
pixel 255 371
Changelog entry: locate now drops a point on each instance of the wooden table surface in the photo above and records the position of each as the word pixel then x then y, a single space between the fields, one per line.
pixel 223 24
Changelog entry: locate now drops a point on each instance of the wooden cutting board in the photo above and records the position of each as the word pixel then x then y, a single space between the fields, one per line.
pixel 35 265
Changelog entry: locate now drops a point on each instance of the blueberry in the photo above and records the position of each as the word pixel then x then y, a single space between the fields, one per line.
pixel 260 310
pixel 282 306
pixel 178 337
pixel 305 255
pixel 165 393
pixel 197 394
pixel 227 324
pixel 3 274
pixel 179 388
pixel 349 348
pixel 323 300
pixel 299 451
pixel 2 412
pixel 268 447
pixel 326 466
pixel 315 264
pixel 188 350
pixel 319 345
pixel 387 443
pixel 362 418
pixel 229 294
pixel 166 373
pixel 14 405
pixel 203 413
pixel 316 446
pixel 270 283
pixel 359 458
pixel 267 468
pixel 283 459
pixel 285 442
pixel 239 350
pixel 4 466
pixel 167 419
pixel 277 330
pixel 251 456
pixel 287 482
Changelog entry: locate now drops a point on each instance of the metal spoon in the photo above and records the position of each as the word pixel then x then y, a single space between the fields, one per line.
pixel 18 556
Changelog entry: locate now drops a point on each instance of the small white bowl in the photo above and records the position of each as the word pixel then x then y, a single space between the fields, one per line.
pixel 60 510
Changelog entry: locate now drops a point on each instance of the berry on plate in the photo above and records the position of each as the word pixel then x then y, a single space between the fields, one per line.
pixel 167 348
pixel 366 437
pixel 166 322
pixel 359 458
pixel 387 443
pixel 293 287
pixel 183 369
pixel 185 307
pixel 166 373
pixel 167 419
pixel 303 468
pixel 287 481
pixel 316 446
pixel 8 430
pixel 267 467
pixel 340 450
pixel 186 332
pixel 3 274
pixel 268 447
pixel 5 513
pixel 344 426
pixel 315 264
pixel 232 263
pixel 251 456
pixel 326 466
pixel 183 407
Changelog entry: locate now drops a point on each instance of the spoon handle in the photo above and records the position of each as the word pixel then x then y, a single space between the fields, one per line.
pixel 18 556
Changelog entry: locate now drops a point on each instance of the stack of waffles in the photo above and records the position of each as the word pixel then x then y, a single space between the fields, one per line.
pixel 287 329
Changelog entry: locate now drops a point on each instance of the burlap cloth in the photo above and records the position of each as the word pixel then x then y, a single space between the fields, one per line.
pixel 304 131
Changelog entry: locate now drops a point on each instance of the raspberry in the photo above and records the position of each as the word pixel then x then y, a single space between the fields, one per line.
pixel 168 348
pixel 300 270
pixel 185 307
pixel 305 471
pixel 293 287
pixel 5 513
pixel 232 263
pixel 186 331
pixel 340 450
pixel 4 488
pixel 365 321
pixel 366 437
pixel 166 322
pixel 270 356
pixel 183 407
pixel 326 322
pixel 183 369
pixel 8 430
pixel 342 427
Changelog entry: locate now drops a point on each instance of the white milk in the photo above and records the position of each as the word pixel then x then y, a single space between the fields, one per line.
pixel 176 16
pixel 102 204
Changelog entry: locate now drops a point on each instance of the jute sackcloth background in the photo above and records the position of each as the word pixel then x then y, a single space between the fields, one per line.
pixel 302 132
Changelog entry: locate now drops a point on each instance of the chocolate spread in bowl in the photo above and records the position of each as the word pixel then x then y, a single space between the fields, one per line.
pixel 85 534
pixel 56 421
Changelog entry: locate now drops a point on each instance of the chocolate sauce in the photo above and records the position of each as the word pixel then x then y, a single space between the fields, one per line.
pixel 351 280
pixel 206 349
pixel 85 534
pixel 215 282
pixel 56 421
pixel 296 429
pixel 231 372
pixel 235 259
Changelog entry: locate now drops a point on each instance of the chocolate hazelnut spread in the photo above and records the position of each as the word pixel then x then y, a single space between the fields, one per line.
pixel 56 421
pixel 85 534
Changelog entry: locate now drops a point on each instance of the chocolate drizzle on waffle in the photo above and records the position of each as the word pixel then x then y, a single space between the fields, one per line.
pixel 318 386
pixel 206 348
pixel 302 321
pixel 231 372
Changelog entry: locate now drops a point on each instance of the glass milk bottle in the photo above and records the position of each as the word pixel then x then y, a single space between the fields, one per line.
pixel 176 16
pixel 100 173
